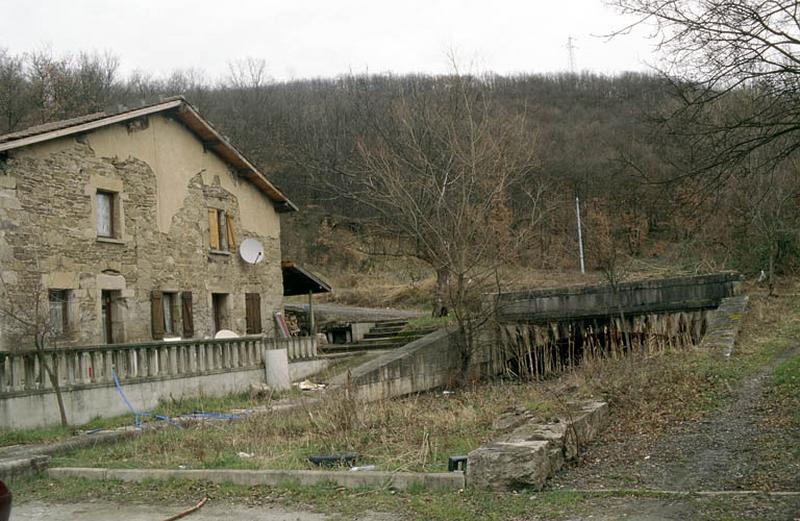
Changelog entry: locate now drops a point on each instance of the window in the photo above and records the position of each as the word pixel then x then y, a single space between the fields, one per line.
pixel 221 233
pixel 105 213
pixel 59 311
pixel 169 311
pixel 252 308
pixel 187 315
pixel 219 308
pixel 169 305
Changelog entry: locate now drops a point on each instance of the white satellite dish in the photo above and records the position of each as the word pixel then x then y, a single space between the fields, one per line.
pixel 251 251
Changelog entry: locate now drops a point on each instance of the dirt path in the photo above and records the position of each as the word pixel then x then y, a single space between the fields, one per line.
pixel 735 447
pixel 738 446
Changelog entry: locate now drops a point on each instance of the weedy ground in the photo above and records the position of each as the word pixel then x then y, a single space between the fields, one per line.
pixel 654 399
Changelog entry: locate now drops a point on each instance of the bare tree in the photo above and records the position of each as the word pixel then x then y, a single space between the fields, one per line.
pixel 14 98
pixel 438 174
pixel 26 311
pixel 735 65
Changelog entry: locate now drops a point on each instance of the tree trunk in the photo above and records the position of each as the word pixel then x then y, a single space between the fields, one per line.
pixel 440 297
pixel 52 374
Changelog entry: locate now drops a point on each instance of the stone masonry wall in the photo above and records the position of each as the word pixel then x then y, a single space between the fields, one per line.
pixel 48 234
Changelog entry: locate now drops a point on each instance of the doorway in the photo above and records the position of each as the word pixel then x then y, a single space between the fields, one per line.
pixel 219 312
pixel 107 316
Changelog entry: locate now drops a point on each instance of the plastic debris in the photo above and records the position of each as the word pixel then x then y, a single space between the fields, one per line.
pixel 308 385
pixel 364 468
pixel 245 455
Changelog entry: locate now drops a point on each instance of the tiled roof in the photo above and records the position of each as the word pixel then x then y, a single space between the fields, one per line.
pixel 53 125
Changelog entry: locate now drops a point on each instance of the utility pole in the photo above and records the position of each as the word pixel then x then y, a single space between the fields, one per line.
pixel 580 235
pixel 571 53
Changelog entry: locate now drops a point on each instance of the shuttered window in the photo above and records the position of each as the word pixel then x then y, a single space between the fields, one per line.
pixel 187 315
pixel 157 314
pixel 231 233
pixel 252 306
pixel 221 232
pixel 213 228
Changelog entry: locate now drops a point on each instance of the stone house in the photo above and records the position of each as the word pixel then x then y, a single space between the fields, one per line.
pixel 125 227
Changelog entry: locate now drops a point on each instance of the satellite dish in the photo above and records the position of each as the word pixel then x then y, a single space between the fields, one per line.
pixel 251 251
pixel 226 333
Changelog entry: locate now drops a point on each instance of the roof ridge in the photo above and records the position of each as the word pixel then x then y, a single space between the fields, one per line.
pixel 77 120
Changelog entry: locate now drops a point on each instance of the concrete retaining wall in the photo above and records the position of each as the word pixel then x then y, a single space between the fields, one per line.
pixel 649 296
pixel 83 404
pixel 724 324
pixel 427 363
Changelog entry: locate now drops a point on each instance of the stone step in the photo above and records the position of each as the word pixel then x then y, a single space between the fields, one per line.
pixel 348 348
pixel 390 323
pixel 384 331
pixel 400 333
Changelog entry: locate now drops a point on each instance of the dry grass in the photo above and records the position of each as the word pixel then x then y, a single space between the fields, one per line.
pixel 416 433
pixel 648 391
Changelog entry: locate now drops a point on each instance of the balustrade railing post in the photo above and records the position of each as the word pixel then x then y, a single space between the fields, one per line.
pixel 16 368
pixel 108 366
pixel 63 376
pixel 219 356
pixel 152 363
pixel 173 360
pixel 234 346
pixel 41 371
pixel 3 379
pixel 193 365
pixel 203 360
pixel 133 361
pixel 30 371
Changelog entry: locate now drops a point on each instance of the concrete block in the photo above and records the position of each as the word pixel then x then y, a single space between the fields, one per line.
pixel 14 468
pixel 504 466
pixel 83 473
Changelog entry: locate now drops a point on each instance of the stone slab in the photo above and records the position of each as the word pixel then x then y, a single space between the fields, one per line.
pixel 531 452
pixel 505 466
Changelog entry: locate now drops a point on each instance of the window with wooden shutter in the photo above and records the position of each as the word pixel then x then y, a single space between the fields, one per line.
pixel 186 314
pixel 252 307
pixel 231 233
pixel 213 228
pixel 157 318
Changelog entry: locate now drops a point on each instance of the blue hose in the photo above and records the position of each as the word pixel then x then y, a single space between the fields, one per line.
pixel 136 414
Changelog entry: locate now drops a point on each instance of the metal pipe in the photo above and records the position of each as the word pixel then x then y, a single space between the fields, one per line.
pixel 580 236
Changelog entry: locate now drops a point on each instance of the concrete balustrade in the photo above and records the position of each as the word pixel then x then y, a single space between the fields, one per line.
pixel 77 367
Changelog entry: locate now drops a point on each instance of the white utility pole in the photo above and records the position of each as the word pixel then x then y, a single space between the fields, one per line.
pixel 580 235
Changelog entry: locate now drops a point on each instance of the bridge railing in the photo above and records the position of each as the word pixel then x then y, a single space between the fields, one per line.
pixel 22 372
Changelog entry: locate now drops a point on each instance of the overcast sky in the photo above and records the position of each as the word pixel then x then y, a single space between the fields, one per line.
pixel 312 38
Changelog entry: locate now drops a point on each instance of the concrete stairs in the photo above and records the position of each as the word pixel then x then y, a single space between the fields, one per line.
pixel 384 335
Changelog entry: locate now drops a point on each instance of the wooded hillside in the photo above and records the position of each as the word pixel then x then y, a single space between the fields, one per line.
pixel 600 138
